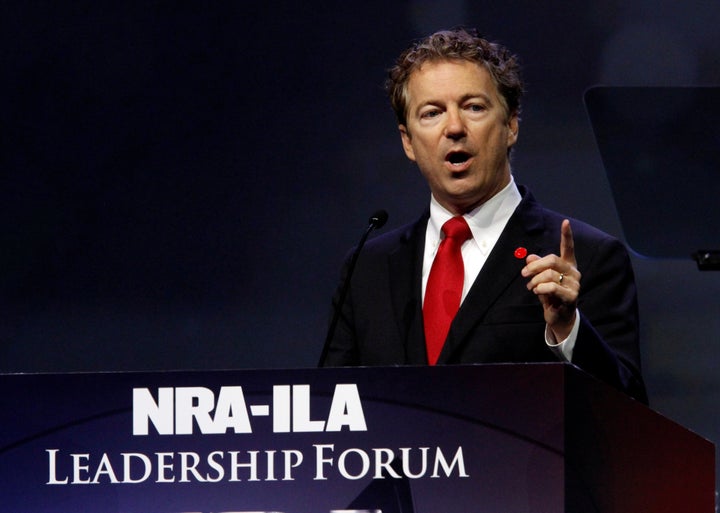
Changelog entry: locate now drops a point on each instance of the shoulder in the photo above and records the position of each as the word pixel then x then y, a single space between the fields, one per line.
pixel 548 220
pixel 591 243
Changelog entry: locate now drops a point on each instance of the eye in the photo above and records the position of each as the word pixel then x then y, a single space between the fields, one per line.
pixel 476 107
pixel 429 114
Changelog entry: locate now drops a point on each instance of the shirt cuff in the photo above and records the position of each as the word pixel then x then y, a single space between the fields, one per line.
pixel 564 348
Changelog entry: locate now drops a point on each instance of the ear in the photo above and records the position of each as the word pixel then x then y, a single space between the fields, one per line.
pixel 406 142
pixel 513 129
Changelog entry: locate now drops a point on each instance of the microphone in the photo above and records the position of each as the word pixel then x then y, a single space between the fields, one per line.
pixel 376 221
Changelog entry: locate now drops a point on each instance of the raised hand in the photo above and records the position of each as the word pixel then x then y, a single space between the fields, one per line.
pixel 556 282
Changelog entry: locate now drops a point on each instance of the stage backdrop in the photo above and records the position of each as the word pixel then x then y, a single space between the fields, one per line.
pixel 179 181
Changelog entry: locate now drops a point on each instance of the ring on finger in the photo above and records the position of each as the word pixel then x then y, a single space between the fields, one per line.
pixel 561 278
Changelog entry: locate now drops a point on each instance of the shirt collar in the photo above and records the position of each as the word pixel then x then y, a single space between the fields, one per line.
pixel 487 219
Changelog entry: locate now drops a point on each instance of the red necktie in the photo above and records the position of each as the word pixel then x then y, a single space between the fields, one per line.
pixel 444 286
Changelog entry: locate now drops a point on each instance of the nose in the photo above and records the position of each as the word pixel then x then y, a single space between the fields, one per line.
pixel 454 127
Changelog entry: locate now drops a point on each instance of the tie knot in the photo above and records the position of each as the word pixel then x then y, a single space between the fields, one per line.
pixel 457 228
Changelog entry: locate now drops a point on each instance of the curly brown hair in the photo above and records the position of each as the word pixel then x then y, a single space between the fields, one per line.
pixel 456 44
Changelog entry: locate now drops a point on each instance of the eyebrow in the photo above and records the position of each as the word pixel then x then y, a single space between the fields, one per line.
pixel 482 96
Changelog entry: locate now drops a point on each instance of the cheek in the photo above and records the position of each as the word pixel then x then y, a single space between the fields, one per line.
pixel 423 148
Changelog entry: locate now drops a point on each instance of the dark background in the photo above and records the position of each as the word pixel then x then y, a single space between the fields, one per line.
pixel 179 181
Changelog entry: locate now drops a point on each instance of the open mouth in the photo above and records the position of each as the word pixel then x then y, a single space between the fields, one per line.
pixel 457 158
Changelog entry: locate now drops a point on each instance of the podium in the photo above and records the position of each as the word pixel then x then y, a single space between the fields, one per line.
pixel 540 438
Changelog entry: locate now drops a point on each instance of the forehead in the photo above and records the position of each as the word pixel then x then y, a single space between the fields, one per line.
pixel 448 78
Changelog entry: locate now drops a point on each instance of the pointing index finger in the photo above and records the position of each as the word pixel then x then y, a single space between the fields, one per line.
pixel 567 243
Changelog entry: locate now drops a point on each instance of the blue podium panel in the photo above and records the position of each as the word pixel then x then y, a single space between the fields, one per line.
pixel 492 438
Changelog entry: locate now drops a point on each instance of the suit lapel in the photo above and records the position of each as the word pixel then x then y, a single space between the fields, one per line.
pixel 524 229
pixel 405 267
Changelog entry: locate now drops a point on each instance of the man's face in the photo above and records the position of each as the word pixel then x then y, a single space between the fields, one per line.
pixel 458 132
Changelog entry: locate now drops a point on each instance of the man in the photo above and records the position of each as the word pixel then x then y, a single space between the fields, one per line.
pixel 515 270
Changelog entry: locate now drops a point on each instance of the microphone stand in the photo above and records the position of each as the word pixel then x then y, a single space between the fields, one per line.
pixel 377 220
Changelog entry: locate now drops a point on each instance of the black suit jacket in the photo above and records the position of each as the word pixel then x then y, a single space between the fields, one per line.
pixel 499 320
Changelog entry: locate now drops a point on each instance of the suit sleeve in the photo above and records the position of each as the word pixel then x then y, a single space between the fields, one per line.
pixel 608 338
